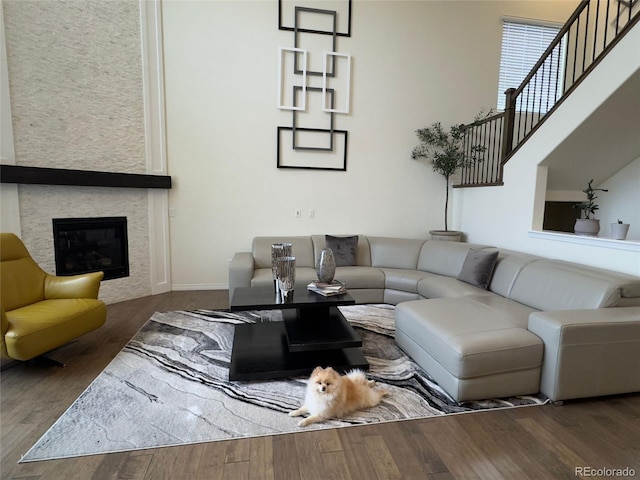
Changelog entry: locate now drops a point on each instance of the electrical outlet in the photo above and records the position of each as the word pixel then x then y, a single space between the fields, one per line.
pixel 312 213
pixel 298 213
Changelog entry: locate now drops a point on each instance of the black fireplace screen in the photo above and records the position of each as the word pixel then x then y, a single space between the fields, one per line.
pixel 91 245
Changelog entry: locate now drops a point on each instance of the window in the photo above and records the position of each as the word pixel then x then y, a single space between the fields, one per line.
pixel 523 43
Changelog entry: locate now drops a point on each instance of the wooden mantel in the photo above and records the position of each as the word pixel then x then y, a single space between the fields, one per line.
pixel 86 178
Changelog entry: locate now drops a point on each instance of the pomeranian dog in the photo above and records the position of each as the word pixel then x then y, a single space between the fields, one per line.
pixel 331 395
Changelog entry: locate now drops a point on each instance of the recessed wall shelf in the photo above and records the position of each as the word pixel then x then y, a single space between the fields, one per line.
pixel 86 178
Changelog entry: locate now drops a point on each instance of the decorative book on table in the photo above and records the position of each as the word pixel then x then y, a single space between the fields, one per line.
pixel 328 289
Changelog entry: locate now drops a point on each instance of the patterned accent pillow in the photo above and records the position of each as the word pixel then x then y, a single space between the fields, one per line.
pixel 344 249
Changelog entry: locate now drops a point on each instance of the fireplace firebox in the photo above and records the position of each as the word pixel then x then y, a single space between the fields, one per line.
pixel 85 245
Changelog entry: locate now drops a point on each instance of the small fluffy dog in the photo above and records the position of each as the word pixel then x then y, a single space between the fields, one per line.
pixel 331 395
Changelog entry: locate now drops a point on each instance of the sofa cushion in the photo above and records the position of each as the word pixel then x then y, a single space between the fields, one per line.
pixel 344 249
pixel 440 286
pixel 360 277
pixel 508 267
pixel 263 277
pixel 444 258
pixel 552 285
pixel 389 252
pixel 403 280
pixel 363 253
pixel 468 338
pixel 516 313
pixel 301 248
pixel 478 268
pixel 629 284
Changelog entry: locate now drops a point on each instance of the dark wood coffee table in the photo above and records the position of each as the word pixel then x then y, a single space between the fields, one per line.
pixel 313 333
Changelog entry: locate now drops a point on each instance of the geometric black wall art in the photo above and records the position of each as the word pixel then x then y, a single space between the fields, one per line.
pixel 342 9
pixel 314 82
pixel 288 157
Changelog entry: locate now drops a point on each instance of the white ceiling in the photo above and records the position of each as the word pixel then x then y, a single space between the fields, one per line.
pixel 604 144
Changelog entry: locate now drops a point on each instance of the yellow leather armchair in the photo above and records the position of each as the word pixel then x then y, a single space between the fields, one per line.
pixel 40 311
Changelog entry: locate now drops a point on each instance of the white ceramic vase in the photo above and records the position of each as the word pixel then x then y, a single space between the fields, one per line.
pixel 589 227
pixel 619 231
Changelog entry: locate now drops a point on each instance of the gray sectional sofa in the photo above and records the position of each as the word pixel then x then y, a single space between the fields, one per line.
pixel 541 325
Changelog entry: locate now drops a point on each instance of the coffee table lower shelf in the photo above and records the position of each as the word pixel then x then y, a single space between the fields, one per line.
pixel 260 352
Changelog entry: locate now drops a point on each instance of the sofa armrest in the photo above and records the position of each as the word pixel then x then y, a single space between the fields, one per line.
pixel 240 271
pixel 589 353
pixel 77 286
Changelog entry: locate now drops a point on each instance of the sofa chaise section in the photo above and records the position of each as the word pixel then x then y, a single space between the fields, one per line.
pixel 470 347
pixel 528 298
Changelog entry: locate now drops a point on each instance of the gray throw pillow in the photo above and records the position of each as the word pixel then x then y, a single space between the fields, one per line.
pixel 478 267
pixel 344 249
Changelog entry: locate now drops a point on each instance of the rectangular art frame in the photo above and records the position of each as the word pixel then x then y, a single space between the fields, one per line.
pixel 318 159
pixel 295 51
pixel 295 144
pixel 320 32
pixel 347 81
pixel 296 37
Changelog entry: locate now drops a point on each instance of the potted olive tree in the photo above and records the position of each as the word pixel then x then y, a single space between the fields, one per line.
pixel 447 153
pixel 589 225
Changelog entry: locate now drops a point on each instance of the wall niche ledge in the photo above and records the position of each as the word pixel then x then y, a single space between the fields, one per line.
pixel 604 242
pixel 85 178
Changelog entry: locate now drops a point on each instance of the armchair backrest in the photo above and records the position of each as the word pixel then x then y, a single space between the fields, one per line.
pixel 21 279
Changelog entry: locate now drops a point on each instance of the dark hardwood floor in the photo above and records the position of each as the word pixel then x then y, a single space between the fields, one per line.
pixel 547 442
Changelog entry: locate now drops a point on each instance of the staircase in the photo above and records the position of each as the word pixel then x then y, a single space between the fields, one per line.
pixel 587 37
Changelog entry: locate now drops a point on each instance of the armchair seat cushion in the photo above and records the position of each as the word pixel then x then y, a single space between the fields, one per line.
pixel 42 326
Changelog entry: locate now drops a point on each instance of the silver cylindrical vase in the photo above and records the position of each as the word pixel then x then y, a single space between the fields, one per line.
pixel 326 266
pixel 286 277
pixel 278 250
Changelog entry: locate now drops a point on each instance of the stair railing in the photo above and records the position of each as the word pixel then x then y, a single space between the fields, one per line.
pixel 590 33
pixel 489 133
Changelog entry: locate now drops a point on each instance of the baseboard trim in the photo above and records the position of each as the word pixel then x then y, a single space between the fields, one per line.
pixel 199 286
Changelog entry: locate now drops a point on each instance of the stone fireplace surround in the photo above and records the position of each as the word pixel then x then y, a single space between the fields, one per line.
pixel 94 102
pixel 39 204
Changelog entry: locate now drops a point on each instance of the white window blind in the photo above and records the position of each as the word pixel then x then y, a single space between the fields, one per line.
pixel 522 46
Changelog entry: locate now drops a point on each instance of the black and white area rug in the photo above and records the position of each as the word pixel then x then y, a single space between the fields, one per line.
pixel 169 386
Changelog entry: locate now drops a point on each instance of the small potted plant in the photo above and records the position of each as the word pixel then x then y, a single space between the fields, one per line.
pixel 446 152
pixel 619 230
pixel 589 225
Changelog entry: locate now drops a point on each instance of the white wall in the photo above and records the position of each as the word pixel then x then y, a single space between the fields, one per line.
pixel 622 201
pixel 503 216
pixel 414 63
